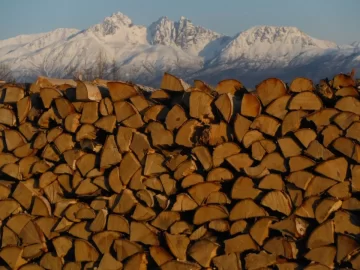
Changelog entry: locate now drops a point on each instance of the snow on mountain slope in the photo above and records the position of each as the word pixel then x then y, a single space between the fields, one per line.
pixel 144 53
pixel 38 42
pixel 15 42
pixel 269 44
pixel 183 33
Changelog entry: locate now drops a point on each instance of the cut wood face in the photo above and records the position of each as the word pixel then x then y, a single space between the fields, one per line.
pixel 115 175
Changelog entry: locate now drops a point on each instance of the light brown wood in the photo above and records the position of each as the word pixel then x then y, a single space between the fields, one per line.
pixel 240 244
pixel 241 126
pixel 281 247
pixel 244 188
pixel 224 103
pixel 246 209
pixel 250 105
pixel 260 260
pixel 121 91
pixel 270 89
pixel 228 86
pixel 172 83
pixel 200 106
pixel 301 84
pixel 307 101
pixel 265 124
pixel 322 235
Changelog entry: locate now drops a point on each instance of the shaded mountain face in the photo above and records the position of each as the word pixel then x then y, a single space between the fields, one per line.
pixel 180 47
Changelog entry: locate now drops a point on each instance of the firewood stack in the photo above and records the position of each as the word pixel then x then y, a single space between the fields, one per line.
pixel 114 176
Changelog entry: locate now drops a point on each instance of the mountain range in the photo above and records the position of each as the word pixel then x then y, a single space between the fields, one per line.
pixel 143 53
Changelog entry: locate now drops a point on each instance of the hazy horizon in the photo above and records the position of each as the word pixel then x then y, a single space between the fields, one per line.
pixel 322 19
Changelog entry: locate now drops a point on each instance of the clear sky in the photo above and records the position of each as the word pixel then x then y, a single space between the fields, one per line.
pixel 335 20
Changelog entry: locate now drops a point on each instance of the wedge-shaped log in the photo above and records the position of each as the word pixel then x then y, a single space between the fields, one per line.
pixel 348 104
pixel 260 230
pixel 222 151
pixel 335 169
pixel 240 243
pixel 265 124
pixel 246 209
pixel 292 121
pixel 143 233
pixel 201 248
pixel 278 107
pixel 209 212
pixel 175 117
pixel 346 247
pixel 86 91
pixel 173 83
pixel 322 235
pixel 184 203
pixel 13 256
pixel 204 156
pixel 241 126
pixel 281 247
pixel 159 135
pixel 244 188
pixel 301 84
pixel 7 117
pixel 270 89
pixel 200 106
pixel 307 101
pixel 228 86
pixel 224 103
pixel 278 201
pixel 48 95
pixel 85 252
pixel 185 134
pixel 106 107
pixel 228 262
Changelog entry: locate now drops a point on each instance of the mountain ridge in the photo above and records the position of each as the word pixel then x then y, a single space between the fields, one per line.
pixel 191 51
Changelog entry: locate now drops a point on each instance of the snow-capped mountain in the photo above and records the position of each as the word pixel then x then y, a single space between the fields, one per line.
pixel 144 53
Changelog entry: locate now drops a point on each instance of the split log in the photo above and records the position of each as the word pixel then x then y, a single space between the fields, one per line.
pixel 203 251
pixel 322 235
pixel 281 247
pixel 348 104
pixel 278 107
pixel 172 83
pixel 322 255
pixel 269 90
pixel 186 132
pixel 175 118
pixel 246 209
pixel 121 91
pixel 200 106
pixel 307 101
pixel 106 107
pixel 243 188
pixel 228 262
pixel 301 84
pixel 265 124
pixel 224 103
pixel 250 106
pixel 228 86
pixel 241 126
pixel 240 244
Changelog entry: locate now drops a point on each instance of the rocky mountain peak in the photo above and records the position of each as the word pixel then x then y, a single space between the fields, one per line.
pixel 110 24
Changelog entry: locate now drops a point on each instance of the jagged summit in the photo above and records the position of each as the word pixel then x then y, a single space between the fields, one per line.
pixel 110 24
pixel 182 33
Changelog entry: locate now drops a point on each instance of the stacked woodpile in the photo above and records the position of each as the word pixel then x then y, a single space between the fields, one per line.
pixel 111 175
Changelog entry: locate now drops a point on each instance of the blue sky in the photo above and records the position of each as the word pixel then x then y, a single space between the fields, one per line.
pixel 337 21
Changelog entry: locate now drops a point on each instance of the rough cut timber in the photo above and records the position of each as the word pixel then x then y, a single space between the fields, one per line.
pixel 114 175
